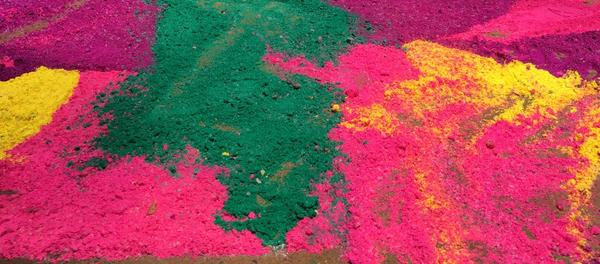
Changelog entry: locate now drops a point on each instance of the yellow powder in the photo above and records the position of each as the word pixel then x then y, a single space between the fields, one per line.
pixel 454 76
pixel 27 103
pixel 374 116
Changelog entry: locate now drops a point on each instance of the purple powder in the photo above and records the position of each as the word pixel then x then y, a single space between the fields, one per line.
pixel 554 53
pixel 85 35
pixel 403 21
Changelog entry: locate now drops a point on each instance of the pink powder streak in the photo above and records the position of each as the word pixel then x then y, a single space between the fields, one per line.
pixel 535 18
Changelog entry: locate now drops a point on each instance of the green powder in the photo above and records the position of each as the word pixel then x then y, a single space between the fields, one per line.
pixel 210 89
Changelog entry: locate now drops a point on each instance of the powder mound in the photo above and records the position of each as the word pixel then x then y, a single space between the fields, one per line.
pixel 124 208
pixel 209 89
pixel 27 103
pixel 453 157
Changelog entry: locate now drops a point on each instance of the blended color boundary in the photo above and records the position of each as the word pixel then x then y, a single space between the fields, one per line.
pixel 269 130
pixel 401 146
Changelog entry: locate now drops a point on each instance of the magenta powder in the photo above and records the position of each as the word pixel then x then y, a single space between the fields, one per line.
pixel 555 53
pixel 403 21
pixel 98 35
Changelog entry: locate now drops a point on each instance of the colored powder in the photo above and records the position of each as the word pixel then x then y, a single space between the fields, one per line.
pixel 19 13
pixel 209 89
pixel 446 156
pixel 364 68
pixel 554 53
pixel 396 22
pixel 76 34
pixel 593 231
pixel 483 83
pixel 128 209
pixel 326 230
pixel 590 123
pixel 535 18
pixel 580 188
pixel 28 102
pixel 459 162
pixel 554 35
pixel 372 117
pixel 495 91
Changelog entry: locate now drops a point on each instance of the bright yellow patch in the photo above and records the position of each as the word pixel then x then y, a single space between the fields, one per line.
pixel 27 103
pixel 451 76
pixel 335 108
pixel 590 149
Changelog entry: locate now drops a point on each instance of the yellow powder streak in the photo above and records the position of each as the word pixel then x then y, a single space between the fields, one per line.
pixel 374 116
pixel 455 76
pixel 580 188
pixel 449 233
pixel 450 76
pixel 27 103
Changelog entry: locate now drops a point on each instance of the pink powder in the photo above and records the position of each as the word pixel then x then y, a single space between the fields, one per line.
pixel 508 184
pixel 535 18
pixel 54 211
pixel 499 202
pixel 361 73
pixel 7 62
pixel 493 196
pixel 324 231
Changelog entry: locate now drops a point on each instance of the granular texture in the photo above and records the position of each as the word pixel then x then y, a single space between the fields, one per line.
pixel 28 102
pixel 555 35
pixel 54 208
pixel 209 89
pixel 458 156
pixel 536 18
pixel 554 53
pixel 387 131
pixel 397 22
pixel 75 34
